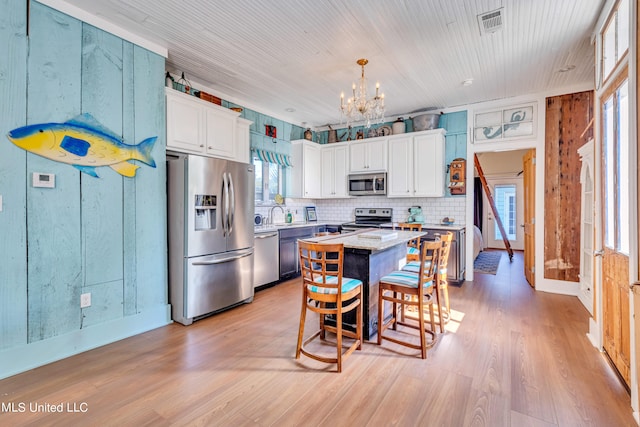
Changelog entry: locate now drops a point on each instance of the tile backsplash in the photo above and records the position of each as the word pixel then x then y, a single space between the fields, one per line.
pixel 342 210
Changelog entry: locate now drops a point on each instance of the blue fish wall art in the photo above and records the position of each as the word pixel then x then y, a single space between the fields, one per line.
pixel 85 144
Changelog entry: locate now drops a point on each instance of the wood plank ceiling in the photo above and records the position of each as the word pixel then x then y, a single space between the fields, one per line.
pixel 277 56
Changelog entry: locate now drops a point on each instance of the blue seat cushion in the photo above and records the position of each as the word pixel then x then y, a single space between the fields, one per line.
pixel 348 284
pixel 414 267
pixel 412 251
pixel 404 278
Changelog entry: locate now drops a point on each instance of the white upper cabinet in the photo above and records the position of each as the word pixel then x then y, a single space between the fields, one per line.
pixel 368 155
pixel 221 132
pixel 197 126
pixel 416 164
pixel 335 170
pixel 185 123
pixel 400 176
pixel 243 141
pixel 306 170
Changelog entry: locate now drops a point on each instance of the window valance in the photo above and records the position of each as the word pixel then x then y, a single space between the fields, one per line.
pixel 271 157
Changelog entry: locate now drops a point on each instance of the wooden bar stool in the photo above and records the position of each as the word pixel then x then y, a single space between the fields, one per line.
pixel 394 286
pixel 441 277
pixel 326 292
pixel 413 245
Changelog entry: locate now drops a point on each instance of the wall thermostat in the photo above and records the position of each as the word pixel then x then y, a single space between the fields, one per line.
pixel 44 180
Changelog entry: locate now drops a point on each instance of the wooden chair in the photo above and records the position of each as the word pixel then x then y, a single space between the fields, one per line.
pixel 325 291
pixel 394 286
pixel 413 246
pixel 441 277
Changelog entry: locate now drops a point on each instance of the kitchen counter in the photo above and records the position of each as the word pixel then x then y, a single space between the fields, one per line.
pixel 355 241
pixel 436 226
pixel 282 226
pixel 369 259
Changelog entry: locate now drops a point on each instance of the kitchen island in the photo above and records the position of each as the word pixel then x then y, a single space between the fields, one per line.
pixel 368 259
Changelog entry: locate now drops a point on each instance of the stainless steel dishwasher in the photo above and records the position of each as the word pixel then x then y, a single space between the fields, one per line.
pixel 265 258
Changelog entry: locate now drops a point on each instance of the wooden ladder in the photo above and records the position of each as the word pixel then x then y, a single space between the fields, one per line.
pixel 493 207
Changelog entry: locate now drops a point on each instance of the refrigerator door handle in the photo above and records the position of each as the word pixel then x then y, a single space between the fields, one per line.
pixel 232 202
pixel 225 203
pixel 223 260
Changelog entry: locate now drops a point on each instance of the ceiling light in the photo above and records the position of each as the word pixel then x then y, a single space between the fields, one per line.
pixel 467 82
pixel 359 106
pixel 289 110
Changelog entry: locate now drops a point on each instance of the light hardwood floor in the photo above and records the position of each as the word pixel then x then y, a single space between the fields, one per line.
pixel 511 357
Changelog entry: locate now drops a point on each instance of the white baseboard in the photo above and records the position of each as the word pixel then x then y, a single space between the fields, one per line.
pixel 594 334
pixel 29 356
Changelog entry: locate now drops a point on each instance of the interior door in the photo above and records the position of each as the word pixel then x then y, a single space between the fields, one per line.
pixel 587 227
pixel 616 227
pixel 529 184
pixel 508 196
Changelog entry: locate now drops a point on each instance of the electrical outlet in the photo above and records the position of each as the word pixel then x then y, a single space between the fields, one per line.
pixel 85 300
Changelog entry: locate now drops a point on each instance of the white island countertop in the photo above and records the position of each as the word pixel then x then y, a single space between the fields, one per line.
pixel 355 241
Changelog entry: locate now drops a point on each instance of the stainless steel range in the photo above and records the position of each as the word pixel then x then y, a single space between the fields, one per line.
pixel 370 218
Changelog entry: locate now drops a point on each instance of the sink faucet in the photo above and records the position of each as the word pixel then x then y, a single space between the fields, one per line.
pixel 271 212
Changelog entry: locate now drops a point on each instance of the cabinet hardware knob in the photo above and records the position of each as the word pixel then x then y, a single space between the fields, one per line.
pixel 201 145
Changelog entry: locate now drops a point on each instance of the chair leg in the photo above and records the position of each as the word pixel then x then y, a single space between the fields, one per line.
pixel 445 292
pixel 423 338
pixel 380 313
pixel 359 323
pixel 321 320
pixel 303 315
pixel 394 325
pixel 339 336
pixel 441 313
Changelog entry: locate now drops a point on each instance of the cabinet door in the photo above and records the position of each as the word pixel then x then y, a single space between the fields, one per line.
pixel 400 176
pixel 312 163
pixel 243 141
pixel 185 124
pixel 377 155
pixel 428 163
pixel 358 157
pixel 288 257
pixel 221 131
pixel 341 171
pixel 327 174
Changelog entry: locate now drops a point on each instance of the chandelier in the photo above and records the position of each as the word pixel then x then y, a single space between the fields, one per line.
pixel 359 106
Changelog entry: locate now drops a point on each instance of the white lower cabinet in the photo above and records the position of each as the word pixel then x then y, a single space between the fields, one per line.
pixel 416 164
pixel 334 171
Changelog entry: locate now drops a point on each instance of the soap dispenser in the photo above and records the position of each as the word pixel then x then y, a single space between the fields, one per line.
pixel 289 218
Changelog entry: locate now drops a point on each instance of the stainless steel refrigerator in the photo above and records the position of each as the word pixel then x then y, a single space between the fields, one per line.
pixel 210 215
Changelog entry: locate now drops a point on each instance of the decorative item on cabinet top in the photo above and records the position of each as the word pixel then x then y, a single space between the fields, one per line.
pixel 183 85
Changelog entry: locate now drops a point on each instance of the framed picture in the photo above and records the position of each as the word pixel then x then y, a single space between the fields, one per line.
pixel 310 213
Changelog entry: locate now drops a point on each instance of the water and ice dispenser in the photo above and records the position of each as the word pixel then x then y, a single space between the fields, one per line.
pixel 205 211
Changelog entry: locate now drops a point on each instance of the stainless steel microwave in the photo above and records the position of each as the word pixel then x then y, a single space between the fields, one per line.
pixel 370 184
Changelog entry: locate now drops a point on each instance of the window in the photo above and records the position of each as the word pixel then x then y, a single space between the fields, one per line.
pixel 503 124
pixel 615 38
pixel 615 148
pixel 268 181
pixel 505 198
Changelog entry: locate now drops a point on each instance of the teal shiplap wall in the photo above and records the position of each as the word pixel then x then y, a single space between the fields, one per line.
pixel 455 140
pixel 106 235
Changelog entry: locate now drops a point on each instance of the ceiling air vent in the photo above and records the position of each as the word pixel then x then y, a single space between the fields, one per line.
pixel 491 22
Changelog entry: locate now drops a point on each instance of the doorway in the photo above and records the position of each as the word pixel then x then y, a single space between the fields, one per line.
pixel 508 194
pixel 511 178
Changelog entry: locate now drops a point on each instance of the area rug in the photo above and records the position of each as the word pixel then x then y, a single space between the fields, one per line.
pixel 487 262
